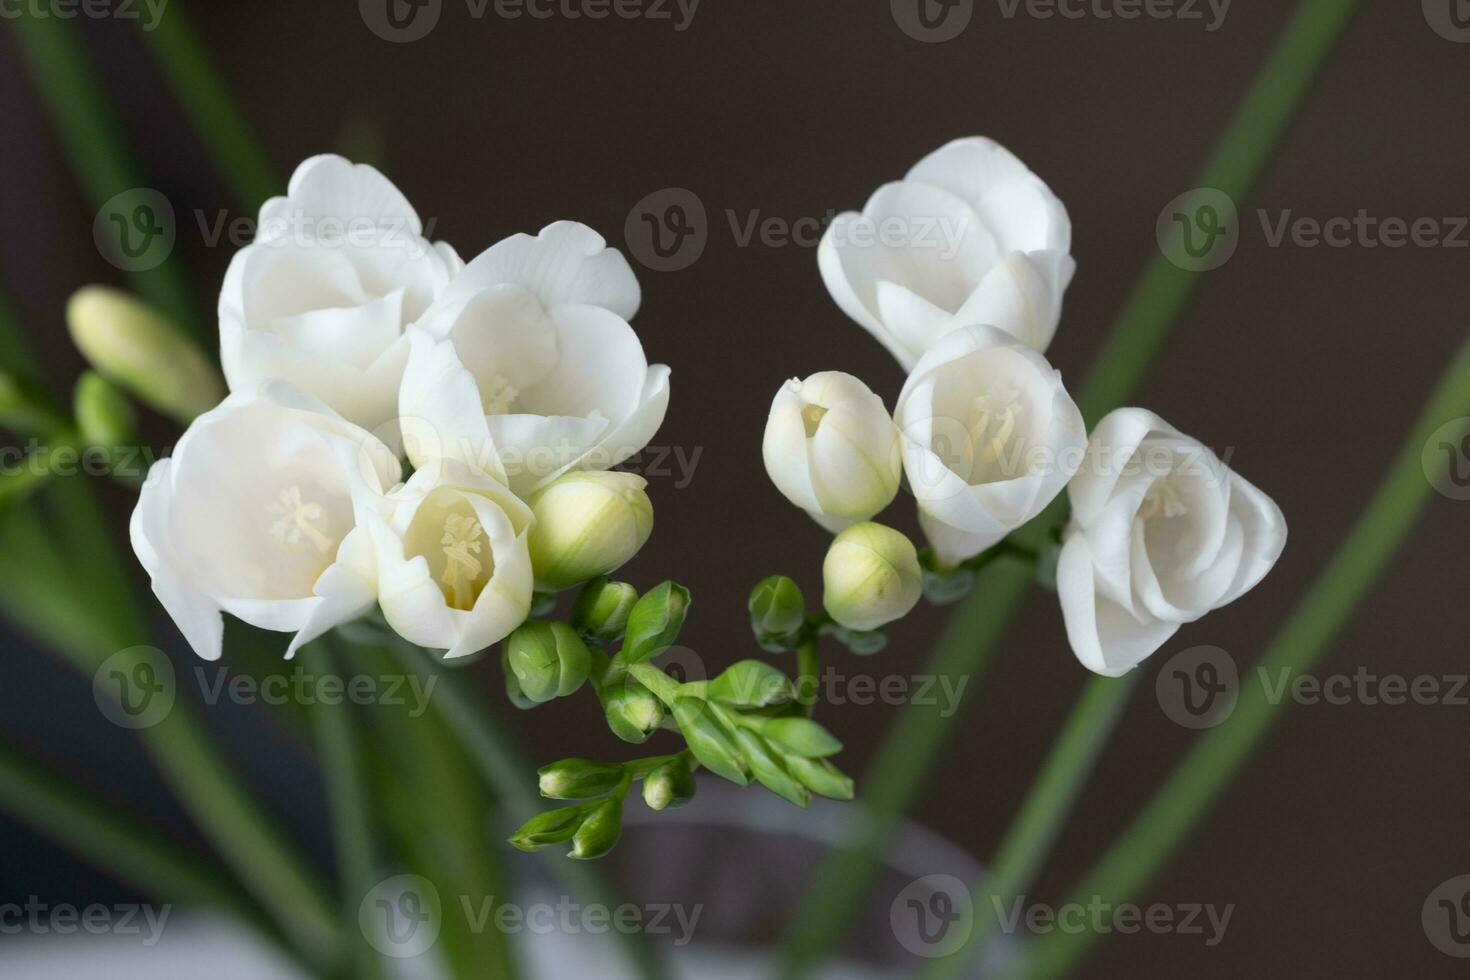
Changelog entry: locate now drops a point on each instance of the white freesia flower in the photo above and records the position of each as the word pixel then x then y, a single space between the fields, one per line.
pixel 257 514
pixel 990 437
pixel 338 268
pixel 832 449
pixel 454 572
pixel 970 235
pixel 526 366
pixel 1162 532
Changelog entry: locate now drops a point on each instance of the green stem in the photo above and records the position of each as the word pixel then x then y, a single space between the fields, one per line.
pixel 342 765
pixel 464 711
pixel 1138 334
pixel 94 142
pixel 664 687
pixel 1042 815
pixel 808 673
pixel 1198 780
pixel 224 129
pixel 137 854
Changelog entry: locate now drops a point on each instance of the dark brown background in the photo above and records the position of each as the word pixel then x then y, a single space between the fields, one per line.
pixel 1311 363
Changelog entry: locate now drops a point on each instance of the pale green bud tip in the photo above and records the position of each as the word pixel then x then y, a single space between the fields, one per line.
pixel 870 577
pixel 104 414
pixel 133 344
pixel 777 607
pixel 601 612
pixel 669 786
pixel 633 712
pixel 599 832
pixel 548 660
pixel 578 779
pixel 587 524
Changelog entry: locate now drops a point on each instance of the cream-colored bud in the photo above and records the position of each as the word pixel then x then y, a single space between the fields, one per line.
pixel 133 345
pixel 870 577
pixel 587 524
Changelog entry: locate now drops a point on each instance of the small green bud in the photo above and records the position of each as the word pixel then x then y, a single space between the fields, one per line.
pixel 104 414
pixel 600 830
pixel 578 779
pixel 633 712
pixel 549 660
pixel 800 736
pixel 601 612
pixel 654 623
pixel 777 613
pixel 512 686
pixel 870 577
pixel 821 777
pixel 587 524
pixel 768 770
pixel 133 345
pixel 670 786
pixel 551 827
pixel 751 684
pixel 709 739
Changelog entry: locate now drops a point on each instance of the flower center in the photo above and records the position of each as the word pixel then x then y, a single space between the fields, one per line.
pixel 299 523
pixel 811 418
pixel 991 424
pixel 1163 499
pixel 462 541
pixel 499 395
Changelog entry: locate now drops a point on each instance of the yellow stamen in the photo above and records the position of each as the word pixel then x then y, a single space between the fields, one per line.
pixel 299 522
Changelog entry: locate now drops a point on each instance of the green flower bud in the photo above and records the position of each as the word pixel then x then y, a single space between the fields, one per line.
pixel 800 736
pixel 104 414
pixel 670 786
pixel 601 612
pixel 709 739
pixel 751 684
pixel 870 577
pixel 600 830
pixel 768 770
pixel 633 712
pixel 549 660
pixel 133 345
pixel 578 779
pixel 654 623
pixel 587 524
pixel 551 827
pixel 512 686
pixel 777 613
pixel 821 777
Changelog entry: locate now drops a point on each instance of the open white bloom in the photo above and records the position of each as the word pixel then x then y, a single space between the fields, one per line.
pixel 527 367
pixel 990 437
pixel 1162 532
pixel 832 449
pixel 257 514
pixel 454 572
pixel 338 268
pixel 970 235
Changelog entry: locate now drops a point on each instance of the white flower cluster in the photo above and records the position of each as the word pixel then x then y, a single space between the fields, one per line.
pixel 503 382
pixel 985 432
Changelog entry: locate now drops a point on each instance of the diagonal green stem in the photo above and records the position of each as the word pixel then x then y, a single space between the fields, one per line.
pixel 1042 816
pixel 136 853
pixel 213 114
pixel 1138 334
pixel 95 146
pixel 339 747
pixel 1198 780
